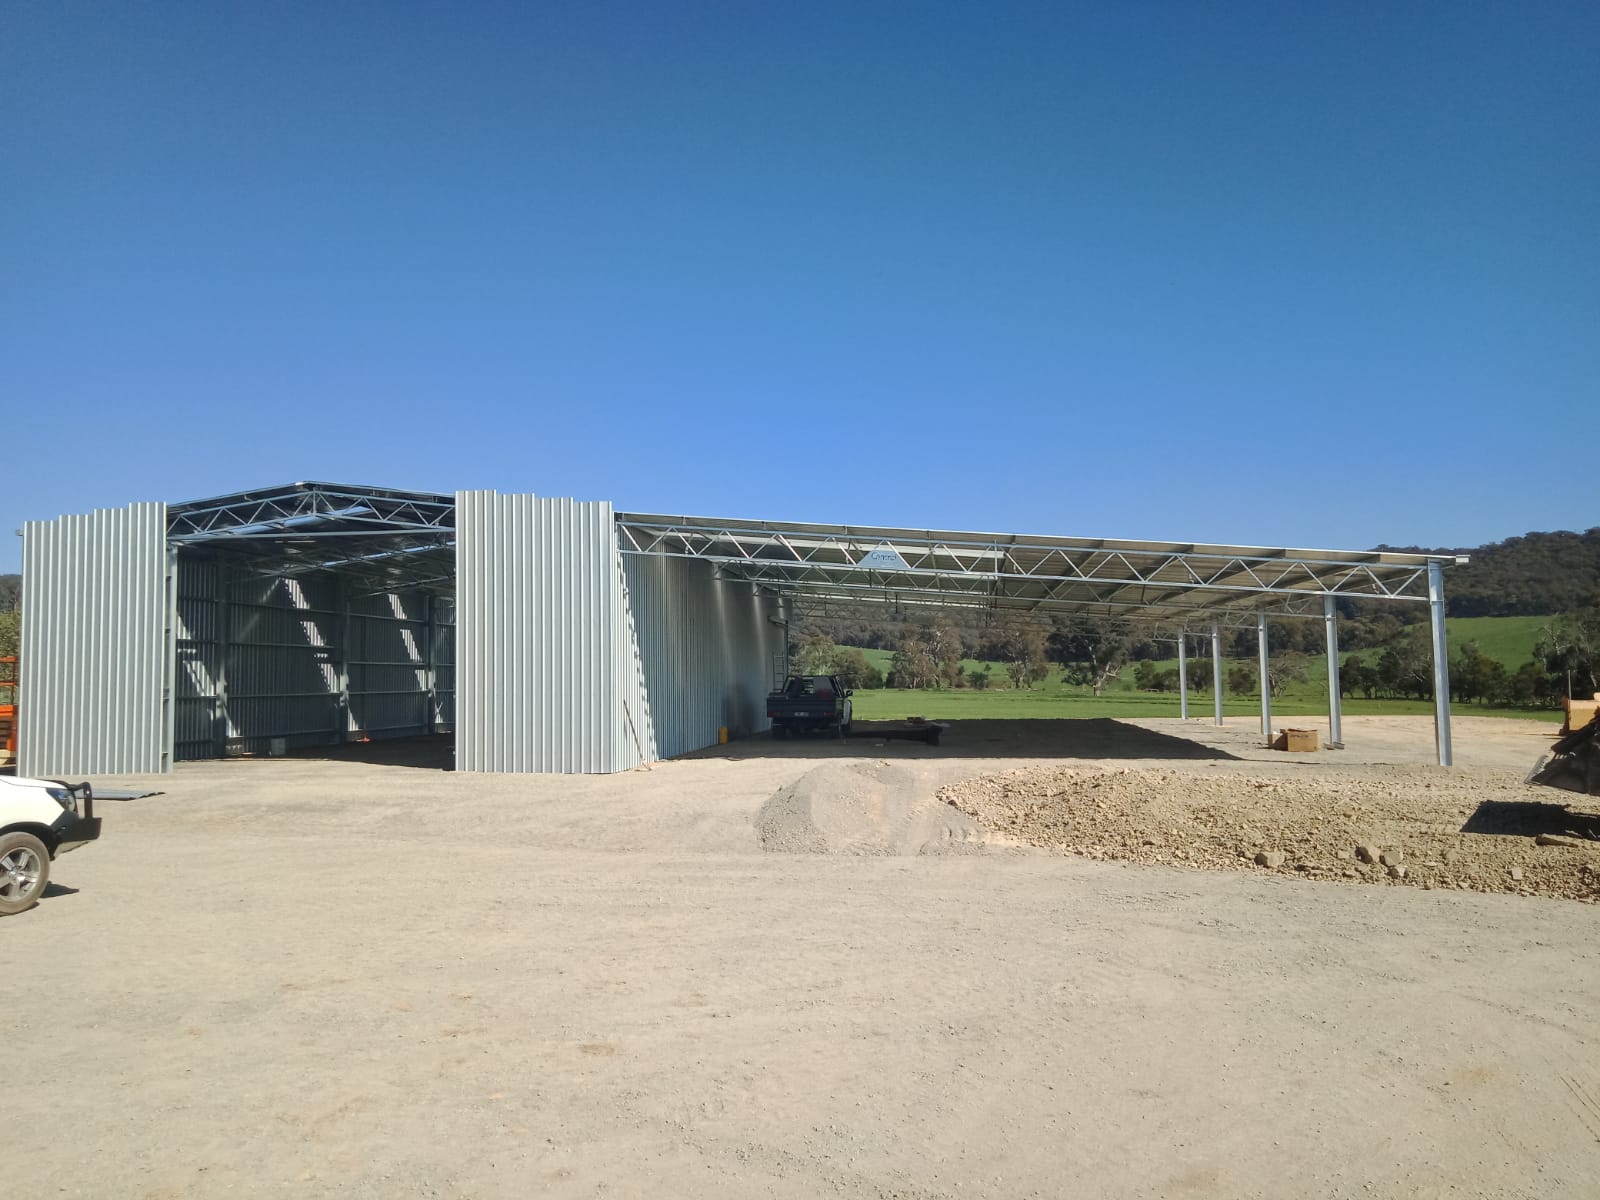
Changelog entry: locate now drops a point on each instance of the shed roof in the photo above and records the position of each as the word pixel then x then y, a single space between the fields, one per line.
pixel 1157 580
pixel 387 537
pixel 395 538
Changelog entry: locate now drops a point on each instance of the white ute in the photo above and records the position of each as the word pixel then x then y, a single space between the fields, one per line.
pixel 39 819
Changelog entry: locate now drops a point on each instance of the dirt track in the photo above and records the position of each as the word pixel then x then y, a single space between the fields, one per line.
pixel 345 979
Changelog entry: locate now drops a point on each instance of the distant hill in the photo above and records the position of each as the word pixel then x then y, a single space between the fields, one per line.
pixel 1535 575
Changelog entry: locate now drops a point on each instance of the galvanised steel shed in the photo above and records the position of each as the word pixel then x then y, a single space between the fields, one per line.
pixel 553 635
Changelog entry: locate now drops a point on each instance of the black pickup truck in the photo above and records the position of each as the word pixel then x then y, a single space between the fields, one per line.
pixel 809 702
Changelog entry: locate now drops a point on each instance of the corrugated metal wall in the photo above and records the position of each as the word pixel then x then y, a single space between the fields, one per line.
pixel 572 656
pixel 304 659
pixel 96 644
pixel 538 648
pixel 704 649
pixel 391 689
pixel 444 663
pixel 200 728
pixel 577 658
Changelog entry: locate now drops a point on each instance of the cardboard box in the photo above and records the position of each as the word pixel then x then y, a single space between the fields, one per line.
pixel 1579 714
pixel 1300 741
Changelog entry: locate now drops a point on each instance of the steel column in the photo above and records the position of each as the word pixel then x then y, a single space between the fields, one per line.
pixel 169 678
pixel 1441 664
pixel 1330 628
pixel 430 635
pixel 1216 669
pixel 1183 676
pixel 222 723
pixel 1266 683
pixel 343 733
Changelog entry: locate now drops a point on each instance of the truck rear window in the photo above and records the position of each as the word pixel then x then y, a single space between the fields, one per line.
pixel 809 685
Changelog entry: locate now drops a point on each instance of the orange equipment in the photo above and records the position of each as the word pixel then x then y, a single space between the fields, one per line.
pixel 8 711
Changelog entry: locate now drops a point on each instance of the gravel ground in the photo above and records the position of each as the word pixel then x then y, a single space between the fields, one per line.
pixel 779 970
pixel 1411 826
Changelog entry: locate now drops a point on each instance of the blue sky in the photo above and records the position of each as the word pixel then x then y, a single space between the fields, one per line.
pixel 1283 274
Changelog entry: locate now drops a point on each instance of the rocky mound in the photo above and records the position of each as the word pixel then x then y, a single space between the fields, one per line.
pixel 1411 826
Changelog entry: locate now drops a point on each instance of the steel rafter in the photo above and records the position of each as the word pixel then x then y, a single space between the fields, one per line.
pixel 293 508
pixel 1165 582
pixel 1267 573
pixel 853 607
pixel 388 536
pixel 983 599
pixel 380 538
pixel 1170 585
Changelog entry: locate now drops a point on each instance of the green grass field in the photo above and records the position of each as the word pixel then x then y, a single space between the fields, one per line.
pixel 1507 639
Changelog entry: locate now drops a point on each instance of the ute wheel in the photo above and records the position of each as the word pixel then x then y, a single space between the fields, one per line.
pixel 24 872
pixel 780 731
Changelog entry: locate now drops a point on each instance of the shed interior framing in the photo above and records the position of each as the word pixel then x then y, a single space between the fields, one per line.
pixel 314 613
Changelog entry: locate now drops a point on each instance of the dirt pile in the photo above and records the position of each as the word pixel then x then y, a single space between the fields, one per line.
pixel 864 808
pixel 1414 826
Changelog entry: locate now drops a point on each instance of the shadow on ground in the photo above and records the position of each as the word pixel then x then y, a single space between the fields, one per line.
pixel 1084 737
pixel 1515 818
pixel 428 752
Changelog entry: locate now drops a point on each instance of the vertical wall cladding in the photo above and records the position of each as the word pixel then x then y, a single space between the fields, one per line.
pixel 704 649
pixel 538 636
pixel 199 680
pixel 96 649
pixel 391 688
pixel 574 657
pixel 640 743
pixel 283 662
pixel 444 663
pixel 305 658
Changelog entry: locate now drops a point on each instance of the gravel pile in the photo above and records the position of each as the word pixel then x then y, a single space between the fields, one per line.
pixel 871 807
pixel 1412 826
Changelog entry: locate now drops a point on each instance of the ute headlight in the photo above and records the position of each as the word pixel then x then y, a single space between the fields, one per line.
pixel 63 797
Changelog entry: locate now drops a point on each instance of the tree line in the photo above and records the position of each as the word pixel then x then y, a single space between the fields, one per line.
pixel 1535 575
pixel 1091 653
pixel 1546 574
pixel 10 615
pixel 930 653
